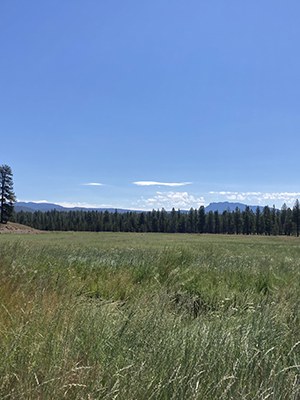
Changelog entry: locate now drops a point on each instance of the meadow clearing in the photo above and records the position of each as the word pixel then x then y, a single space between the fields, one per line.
pixel 149 316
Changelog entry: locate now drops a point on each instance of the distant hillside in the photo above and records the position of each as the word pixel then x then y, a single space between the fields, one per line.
pixel 227 206
pixel 32 207
pixel 19 208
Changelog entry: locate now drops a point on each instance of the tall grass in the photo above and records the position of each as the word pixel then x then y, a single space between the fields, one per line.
pixel 108 316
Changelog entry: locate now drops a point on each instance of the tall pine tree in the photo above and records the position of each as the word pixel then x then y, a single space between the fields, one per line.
pixel 296 216
pixel 7 195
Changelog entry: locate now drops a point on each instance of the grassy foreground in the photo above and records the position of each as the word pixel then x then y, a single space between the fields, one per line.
pixel 149 316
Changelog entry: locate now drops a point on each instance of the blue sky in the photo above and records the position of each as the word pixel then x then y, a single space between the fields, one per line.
pixel 150 104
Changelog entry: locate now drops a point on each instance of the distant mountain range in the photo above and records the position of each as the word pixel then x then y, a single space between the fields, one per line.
pixel 32 207
pixel 227 206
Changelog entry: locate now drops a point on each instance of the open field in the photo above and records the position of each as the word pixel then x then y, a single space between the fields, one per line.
pixel 149 316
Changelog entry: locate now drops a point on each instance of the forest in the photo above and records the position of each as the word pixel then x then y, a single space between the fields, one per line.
pixel 264 221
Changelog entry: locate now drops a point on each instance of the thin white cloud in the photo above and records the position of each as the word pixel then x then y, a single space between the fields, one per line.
pixel 261 198
pixel 154 183
pixel 70 204
pixel 33 201
pixel 168 200
pixel 92 184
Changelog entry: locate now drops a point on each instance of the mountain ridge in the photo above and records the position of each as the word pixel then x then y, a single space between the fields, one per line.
pixel 228 206
pixel 44 207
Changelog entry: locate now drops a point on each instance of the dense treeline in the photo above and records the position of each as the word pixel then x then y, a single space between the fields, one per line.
pixel 266 221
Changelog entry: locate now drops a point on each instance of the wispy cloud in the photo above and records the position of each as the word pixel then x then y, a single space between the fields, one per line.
pixel 71 204
pixel 154 183
pixel 33 201
pixel 92 184
pixel 261 198
pixel 168 200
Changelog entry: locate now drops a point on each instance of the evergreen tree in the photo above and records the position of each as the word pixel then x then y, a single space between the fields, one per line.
pixel 7 195
pixel 289 222
pixel 275 222
pixel 173 221
pixel 201 219
pixel 162 220
pixel 190 226
pixel 106 221
pixel 278 221
pixel 268 220
pixel 142 222
pixel 217 227
pixel 224 222
pixel 154 221
pixel 231 223
pixel 181 222
pixel 210 223
pixel 116 222
pixel 258 229
pixel 238 222
pixel 283 215
pixel 296 216
pixel 247 217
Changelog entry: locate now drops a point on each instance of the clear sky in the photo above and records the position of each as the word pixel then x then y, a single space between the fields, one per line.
pixel 150 104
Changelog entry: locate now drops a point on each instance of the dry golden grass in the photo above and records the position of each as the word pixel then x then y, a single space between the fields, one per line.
pixel 12 227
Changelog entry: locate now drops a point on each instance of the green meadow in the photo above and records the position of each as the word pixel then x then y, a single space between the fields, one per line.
pixel 149 316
